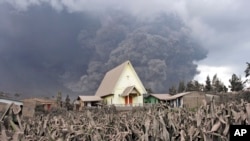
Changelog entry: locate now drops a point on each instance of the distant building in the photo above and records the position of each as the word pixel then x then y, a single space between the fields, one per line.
pixel 32 104
pixel 86 101
pixel 156 98
pixel 191 99
pixel 6 101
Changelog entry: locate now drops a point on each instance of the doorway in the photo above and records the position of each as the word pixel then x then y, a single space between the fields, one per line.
pixel 128 100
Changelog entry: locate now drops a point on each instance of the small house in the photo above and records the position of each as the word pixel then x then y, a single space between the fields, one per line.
pixel 32 105
pixel 191 100
pixel 6 101
pixel 86 101
pixel 156 98
pixel 177 100
pixel 121 86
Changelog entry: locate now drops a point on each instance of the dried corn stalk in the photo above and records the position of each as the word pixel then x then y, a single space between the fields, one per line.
pixel 160 122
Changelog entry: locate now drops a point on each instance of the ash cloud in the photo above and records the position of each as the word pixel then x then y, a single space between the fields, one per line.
pixel 161 50
pixel 43 50
pixel 39 49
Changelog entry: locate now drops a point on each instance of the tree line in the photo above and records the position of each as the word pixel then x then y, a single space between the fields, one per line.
pixel 214 85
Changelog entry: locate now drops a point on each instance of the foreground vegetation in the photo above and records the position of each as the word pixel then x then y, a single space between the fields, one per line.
pixel 160 122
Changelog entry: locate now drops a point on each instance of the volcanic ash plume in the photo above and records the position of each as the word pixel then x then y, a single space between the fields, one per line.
pixel 161 50
pixel 43 51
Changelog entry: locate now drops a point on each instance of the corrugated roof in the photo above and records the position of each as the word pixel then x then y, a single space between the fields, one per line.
pixel 110 79
pixel 90 98
pixel 161 96
pixel 177 95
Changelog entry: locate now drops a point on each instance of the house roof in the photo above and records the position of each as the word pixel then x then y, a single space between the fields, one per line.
pixel 89 98
pixel 177 95
pixel 128 90
pixel 40 100
pixel 161 96
pixel 9 101
pixel 110 79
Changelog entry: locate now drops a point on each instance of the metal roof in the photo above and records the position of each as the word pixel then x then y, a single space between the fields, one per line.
pixel 8 101
pixel 168 96
pixel 161 96
pixel 89 98
pixel 178 95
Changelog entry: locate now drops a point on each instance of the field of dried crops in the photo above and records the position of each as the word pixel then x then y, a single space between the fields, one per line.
pixel 158 123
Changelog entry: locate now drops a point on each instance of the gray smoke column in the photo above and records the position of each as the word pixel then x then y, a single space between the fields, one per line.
pixel 43 51
pixel 161 50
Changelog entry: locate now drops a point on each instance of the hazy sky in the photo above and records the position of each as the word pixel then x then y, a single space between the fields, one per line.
pixel 222 27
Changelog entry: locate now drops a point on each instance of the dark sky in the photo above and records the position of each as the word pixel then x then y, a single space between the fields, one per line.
pixel 50 45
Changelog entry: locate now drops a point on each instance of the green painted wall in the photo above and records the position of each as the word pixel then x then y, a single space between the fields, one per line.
pixel 151 99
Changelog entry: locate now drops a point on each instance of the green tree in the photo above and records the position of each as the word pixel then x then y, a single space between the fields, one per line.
pixel 193 86
pixel 67 102
pixel 225 89
pixel 172 90
pixel 235 83
pixel 247 72
pixel 214 80
pixel 181 87
pixel 59 99
pixel 197 86
pixel 217 85
pixel 208 86
pixel 149 90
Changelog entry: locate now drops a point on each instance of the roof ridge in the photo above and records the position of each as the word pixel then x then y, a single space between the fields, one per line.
pixel 111 77
pixel 119 66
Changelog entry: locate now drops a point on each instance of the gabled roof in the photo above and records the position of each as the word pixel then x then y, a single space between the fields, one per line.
pixel 110 79
pixel 89 98
pixel 161 96
pixel 128 90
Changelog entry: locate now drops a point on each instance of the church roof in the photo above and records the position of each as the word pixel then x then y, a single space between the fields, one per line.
pixel 110 80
